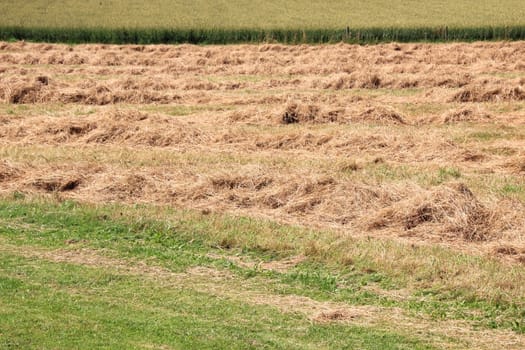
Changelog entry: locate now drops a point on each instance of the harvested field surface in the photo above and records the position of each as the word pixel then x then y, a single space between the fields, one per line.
pixel 423 142
pixel 369 152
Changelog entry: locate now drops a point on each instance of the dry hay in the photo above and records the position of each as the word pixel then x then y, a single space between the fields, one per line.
pixel 56 179
pixel 446 212
pixel 115 126
pixel 319 198
pixel 454 208
pixel 41 89
pixel 516 165
pixel 478 93
pixel 306 113
pixel 340 136
pixel 380 115
pixel 250 115
pixel 125 187
pixel 57 183
pixel 465 115
pixel 104 94
pixel 4 119
pixel 353 81
pixel 312 113
pixel 24 91
pixel 334 316
pixel 8 172
pixel 509 252
pixel 240 182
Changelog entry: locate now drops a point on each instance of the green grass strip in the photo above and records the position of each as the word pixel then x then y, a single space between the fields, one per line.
pixel 48 305
pixel 441 283
pixel 238 36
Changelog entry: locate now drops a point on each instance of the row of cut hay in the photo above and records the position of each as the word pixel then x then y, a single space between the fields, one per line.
pixel 233 36
pixel 450 211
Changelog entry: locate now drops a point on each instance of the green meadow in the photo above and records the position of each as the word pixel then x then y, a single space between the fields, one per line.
pixel 138 277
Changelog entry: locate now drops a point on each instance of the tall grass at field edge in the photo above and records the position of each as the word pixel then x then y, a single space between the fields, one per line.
pixel 237 36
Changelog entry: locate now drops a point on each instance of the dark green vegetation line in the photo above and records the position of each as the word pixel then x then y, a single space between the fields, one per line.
pixel 237 36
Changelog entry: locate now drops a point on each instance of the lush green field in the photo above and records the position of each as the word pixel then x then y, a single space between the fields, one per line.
pixel 78 276
pixel 229 21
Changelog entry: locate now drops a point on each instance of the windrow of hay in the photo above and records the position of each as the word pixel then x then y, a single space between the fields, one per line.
pixel 348 59
pixel 20 92
pixel 447 212
pixel 353 81
pixel 400 80
pixel 111 126
pixel 116 126
pixel 43 90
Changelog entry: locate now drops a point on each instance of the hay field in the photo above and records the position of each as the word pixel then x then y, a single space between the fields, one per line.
pixel 402 163
pixel 416 141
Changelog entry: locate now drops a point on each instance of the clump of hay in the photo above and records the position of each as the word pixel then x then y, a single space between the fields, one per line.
pixel 245 182
pixel 296 112
pixel 454 209
pixel 465 115
pixel 25 90
pixel 8 172
pixel 333 316
pixel 370 81
pixel 381 115
pixel 353 81
pixel 57 183
pixel 494 94
pixel 126 186
pixel 517 165
pixel 300 113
